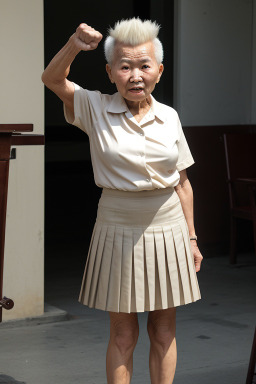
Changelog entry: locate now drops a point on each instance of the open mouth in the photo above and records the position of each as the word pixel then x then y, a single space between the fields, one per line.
pixel 136 89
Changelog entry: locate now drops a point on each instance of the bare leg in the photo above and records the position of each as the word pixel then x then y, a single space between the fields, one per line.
pixel 163 349
pixel 124 333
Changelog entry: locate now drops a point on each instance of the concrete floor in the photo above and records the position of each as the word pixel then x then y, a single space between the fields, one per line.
pixel 214 334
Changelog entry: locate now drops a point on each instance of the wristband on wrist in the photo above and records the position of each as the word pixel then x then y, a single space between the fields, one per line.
pixel 193 237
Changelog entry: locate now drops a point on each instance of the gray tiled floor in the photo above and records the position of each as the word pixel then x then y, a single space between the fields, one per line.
pixel 214 335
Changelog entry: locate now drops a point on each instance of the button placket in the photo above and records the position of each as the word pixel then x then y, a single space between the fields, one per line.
pixel 143 155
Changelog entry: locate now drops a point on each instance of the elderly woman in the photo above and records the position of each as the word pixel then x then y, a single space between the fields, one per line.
pixel 143 254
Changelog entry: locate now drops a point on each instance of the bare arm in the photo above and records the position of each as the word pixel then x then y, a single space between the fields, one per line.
pixel 185 193
pixel 55 75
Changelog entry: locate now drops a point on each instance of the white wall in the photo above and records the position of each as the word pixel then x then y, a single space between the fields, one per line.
pixel 22 101
pixel 213 61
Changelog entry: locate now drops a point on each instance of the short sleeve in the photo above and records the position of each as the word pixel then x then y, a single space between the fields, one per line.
pixel 185 158
pixel 86 106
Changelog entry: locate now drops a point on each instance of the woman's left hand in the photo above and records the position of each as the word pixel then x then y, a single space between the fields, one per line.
pixel 197 255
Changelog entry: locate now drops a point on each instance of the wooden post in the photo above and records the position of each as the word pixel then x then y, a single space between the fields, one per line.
pixel 251 373
pixel 10 135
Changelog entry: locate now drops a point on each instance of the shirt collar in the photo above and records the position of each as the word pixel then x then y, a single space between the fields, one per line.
pixel 118 105
pixel 158 110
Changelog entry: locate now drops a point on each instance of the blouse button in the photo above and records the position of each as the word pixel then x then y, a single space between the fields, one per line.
pixel 147 180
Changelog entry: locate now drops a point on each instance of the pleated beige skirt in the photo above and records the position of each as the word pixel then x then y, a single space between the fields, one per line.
pixel 140 255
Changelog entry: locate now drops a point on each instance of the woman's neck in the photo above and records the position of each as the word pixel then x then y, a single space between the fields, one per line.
pixel 139 108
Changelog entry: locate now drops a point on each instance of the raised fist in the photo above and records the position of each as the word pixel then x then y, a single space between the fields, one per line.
pixel 86 38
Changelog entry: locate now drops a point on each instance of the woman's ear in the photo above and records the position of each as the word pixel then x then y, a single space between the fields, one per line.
pixel 161 69
pixel 108 69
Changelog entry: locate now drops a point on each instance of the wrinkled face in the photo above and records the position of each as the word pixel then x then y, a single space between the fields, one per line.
pixel 135 70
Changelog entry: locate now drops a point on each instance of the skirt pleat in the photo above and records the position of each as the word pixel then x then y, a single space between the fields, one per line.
pixel 97 265
pixel 150 266
pixel 182 263
pixel 172 266
pixel 105 270
pixel 138 262
pixel 126 272
pixel 114 281
pixel 86 282
pixel 161 267
pixel 140 258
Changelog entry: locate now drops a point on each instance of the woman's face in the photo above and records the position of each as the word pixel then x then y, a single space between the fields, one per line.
pixel 135 70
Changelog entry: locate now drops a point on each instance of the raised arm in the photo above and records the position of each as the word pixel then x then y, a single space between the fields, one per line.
pixel 185 193
pixel 55 75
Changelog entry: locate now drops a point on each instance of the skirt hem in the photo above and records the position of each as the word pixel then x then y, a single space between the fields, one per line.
pixel 141 311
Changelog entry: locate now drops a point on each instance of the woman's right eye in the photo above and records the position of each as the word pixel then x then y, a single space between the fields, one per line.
pixel 125 67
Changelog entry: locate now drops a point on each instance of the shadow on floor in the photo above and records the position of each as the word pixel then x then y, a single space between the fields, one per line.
pixel 4 379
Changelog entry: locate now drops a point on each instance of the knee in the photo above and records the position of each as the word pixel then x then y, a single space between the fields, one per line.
pixel 125 337
pixel 161 336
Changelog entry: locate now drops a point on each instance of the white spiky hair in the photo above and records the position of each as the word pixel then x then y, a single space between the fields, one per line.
pixel 133 32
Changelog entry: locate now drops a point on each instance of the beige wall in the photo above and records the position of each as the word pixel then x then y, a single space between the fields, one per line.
pixel 22 101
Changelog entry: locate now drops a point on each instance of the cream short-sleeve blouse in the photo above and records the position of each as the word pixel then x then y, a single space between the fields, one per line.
pixel 125 154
